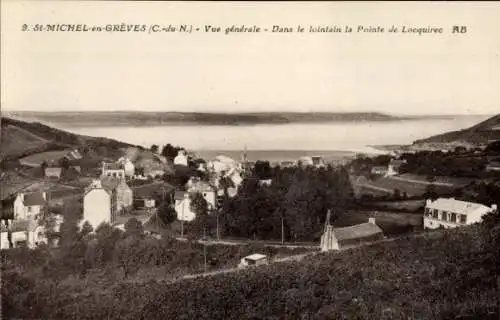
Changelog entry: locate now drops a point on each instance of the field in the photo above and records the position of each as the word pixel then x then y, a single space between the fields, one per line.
pixel 412 189
pixel 16 141
pixel 437 275
pixel 35 160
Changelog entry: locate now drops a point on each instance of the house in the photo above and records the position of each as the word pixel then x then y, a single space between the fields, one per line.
pixel 124 194
pixel 255 259
pixel 25 233
pixel 265 182
pixel 54 172
pixel 339 238
pixel 318 161
pixel 120 221
pixel 99 205
pixel 105 199
pixel 24 205
pixel 183 206
pixel 306 161
pixel 183 199
pixel 181 158
pixel 73 155
pixel 379 170
pixel 451 213
pixel 209 193
pixel 128 166
pixel 394 167
pixel 114 170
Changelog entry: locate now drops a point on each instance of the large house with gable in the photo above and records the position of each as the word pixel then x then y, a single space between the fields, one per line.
pixel 452 213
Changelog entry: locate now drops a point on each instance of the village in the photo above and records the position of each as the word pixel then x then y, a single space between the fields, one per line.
pixel 135 187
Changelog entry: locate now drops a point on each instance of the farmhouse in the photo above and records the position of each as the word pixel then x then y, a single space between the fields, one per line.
pixel 24 205
pixel 114 170
pixel 451 213
pixel 338 238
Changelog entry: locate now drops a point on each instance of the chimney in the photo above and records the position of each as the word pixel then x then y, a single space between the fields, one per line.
pixel 44 195
pixel 428 202
pixel 371 220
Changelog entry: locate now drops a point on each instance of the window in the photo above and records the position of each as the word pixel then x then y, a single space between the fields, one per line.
pixel 463 218
pixel 30 209
pixel 444 215
pixel 434 213
pixel 453 217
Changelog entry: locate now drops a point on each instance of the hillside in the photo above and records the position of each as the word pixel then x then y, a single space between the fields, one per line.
pixel 125 118
pixel 21 138
pixel 480 133
pixel 438 275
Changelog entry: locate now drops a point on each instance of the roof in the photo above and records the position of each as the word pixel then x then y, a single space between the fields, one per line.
pixel 110 183
pixel 124 218
pixel 455 206
pixel 113 166
pixel 201 186
pixel 395 162
pixel 179 195
pixel 20 225
pixel 255 256
pixel 34 199
pixel 379 168
pixel 53 171
pixel 358 231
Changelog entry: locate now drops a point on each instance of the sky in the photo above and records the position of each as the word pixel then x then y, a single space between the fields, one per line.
pixel 213 72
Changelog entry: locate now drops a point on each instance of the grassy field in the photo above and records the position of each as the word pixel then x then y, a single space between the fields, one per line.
pixel 36 159
pixel 16 141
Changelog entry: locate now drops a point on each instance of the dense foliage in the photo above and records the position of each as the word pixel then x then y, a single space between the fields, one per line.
pixel 439 275
pixel 297 197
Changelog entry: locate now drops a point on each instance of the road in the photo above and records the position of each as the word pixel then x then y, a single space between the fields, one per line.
pixel 298 257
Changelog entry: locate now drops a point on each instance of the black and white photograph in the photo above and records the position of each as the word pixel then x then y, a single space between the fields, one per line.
pixel 274 160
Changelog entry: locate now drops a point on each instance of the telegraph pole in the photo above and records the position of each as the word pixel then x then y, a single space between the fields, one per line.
pixel 204 250
pixel 282 230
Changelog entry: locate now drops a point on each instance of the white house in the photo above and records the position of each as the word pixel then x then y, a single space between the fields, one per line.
pixel 99 205
pixel 394 167
pixel 114 170
pixel 128 166
pixel 183 199
pixel 27 233
pixel 28 205
pixel 181 158
pixel 451 213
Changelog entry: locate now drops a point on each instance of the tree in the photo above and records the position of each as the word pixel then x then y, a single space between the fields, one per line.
pixel 86 229
pixel 199 206
pixel 43 166
pixel 167 212
pixel 154 148
pixel 430 192
pixel 169 152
